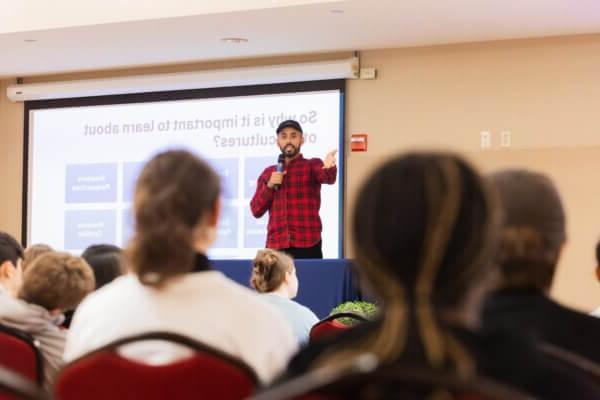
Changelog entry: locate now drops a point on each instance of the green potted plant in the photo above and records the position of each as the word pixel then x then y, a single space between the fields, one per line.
pixel 362 308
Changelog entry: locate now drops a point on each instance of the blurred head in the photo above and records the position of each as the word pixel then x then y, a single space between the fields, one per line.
pixel 533 230
pixel 425 222
pixel 11 256
pixel 57 281
pixel 176 209
pixel 290 138
pixel 32 252
pixel 106 261
pixel 424 229
pixel 274 271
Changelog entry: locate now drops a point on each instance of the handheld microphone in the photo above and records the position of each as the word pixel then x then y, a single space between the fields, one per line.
pixel 280 167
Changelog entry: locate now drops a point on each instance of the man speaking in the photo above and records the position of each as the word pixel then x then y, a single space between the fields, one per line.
pixel 291 192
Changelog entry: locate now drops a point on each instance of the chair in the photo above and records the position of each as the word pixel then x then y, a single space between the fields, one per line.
pixel 207 374
pixel 363 378
pixel 570 360
pixel 14 386
pixel 20 353
pixel 329 326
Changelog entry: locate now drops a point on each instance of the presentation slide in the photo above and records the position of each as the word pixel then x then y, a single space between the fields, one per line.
pixel 84 162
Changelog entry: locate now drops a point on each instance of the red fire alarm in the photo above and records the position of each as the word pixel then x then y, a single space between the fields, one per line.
pixel 358 142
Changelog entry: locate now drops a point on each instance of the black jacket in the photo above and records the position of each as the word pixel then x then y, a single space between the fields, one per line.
pixel 499 356
pixel 530 312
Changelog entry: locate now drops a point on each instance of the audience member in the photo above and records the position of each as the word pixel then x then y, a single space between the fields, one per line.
pixel 11 271
pixel 424 231
pixel 274 275
pixel 106 261
pixel 53 282
pixel 107 264
pixel 32 252
pixel 173 288
pixel 532 239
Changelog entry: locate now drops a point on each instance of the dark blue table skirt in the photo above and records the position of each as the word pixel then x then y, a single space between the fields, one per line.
pixel 323 284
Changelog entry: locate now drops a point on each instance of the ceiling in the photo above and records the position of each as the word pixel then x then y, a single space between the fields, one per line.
pixel 43 37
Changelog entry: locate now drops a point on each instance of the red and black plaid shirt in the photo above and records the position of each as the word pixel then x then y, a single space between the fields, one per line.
pixel 293 209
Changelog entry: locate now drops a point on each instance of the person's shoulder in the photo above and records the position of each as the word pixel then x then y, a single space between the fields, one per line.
pixel 314 161
pixel 115 292
pixel 10 305
pixel 241 297
pixel 289 305
pixel 305 311
pixel 24 316
pixel 516 360
pixel 269 169
pixel 515 305
pixel 575 317
pixel 499 350
pixel 259 318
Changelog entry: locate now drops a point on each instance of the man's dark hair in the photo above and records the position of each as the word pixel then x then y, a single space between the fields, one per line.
pixel 534 228
pixel 598 254
pixel 106 261
pixel 10 249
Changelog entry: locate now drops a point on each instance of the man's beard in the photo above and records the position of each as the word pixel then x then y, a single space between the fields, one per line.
pixel 290 151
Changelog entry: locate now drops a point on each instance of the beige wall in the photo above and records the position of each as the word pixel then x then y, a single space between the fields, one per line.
pixel 11 160
pixel 545 92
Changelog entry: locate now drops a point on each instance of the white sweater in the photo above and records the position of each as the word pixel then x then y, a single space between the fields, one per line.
pixel 205 306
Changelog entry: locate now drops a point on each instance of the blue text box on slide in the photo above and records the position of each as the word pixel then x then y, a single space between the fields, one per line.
pixel 87 227
pixel 91 183
pixel 255 232
pixel 228 170
pixel 228 228
pixel 131 171
pixel 253 168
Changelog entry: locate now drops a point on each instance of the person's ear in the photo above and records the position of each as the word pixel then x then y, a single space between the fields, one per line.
pixel 598 273
pixel 6 270
pixel 302 138
pixel 288 276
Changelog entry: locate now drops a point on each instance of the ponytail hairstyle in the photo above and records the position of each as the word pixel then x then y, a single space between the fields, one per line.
pixel 268 270
pixel 424 231
pixel 174 193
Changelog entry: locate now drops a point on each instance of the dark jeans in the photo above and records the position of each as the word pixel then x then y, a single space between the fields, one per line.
pixel 305 252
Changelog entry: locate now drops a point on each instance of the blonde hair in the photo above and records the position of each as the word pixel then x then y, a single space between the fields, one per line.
pixel 269 268
pixel 32 252
pixel 57 280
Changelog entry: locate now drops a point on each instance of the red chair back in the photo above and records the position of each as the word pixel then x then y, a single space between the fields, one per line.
pixel 19 353
pixel 329 327
pixel 208 374
pixel 14 386
pixel 363 378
